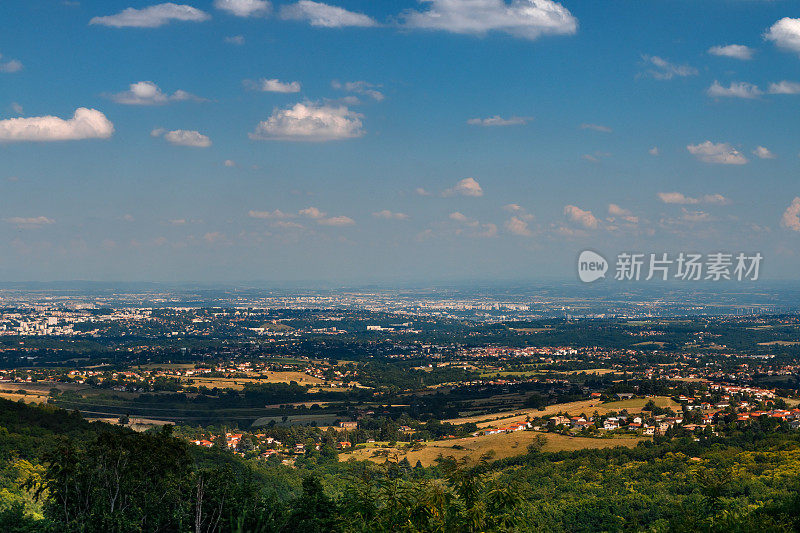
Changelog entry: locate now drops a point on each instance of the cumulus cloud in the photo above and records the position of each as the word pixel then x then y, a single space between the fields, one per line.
pixel 653 151
pixel 785 34
pixel 596 127
pixel 784 87
pixel 148 93
pixel 720 153
pixel 736 51
pixel 763 153
pixel 324 15
pixel 230 163
pixel 84 124
pixel 389 215
pixel 737 89
pixel 580 217
pixel 497 120
pixel 273 86
pixel 359 87
pixel 311 212
pixel 322 218
pixel 244 8
pixel 680 198
pixel 517 226
pixel 152 16
pixel 617 211
pixel 10 66
pixel 421 191
pixel 527 19
pixel 310 122
pixel 30 222
pixel 336 221
pixel 660 69
pixel 791 217
pixel 191 138
pixel 465 187
pixel 462 218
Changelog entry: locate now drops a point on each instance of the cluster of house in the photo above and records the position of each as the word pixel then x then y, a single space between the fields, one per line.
pixel 658 425
pixel 516 426
pixel 273 446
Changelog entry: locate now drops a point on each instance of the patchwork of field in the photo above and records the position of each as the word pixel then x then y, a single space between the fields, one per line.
pixel 270 377
pixel 503 445
pixel 37 392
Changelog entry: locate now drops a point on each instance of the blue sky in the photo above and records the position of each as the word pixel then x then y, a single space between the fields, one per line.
pixel 393 141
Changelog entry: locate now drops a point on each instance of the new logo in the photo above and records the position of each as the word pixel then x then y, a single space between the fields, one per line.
pixel 591 266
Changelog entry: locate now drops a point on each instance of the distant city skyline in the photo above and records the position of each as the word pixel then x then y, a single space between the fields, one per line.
pixel 353 141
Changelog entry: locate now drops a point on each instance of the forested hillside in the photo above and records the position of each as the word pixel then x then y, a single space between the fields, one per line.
pixel 61 473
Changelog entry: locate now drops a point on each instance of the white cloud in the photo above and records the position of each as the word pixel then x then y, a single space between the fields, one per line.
pixel 273 86
pixel 389 215
pixel 596 127
pixel 359 87
pixel 183 138
pixel 497 120
pixel 16 108
pixel 420 191
pixel 310 122
pixel 736 51
pixel 30 222
pixel 680 198
pixel 465 187
pixel 230 163
pixel 720 153
pixel 791 217
pixel 10 66
pixel 763 153
pixel 737 89
pixel 517 226
pixel 84 124
pixel 244 8
pixel 653 151
pixel 579 216
pixel 784 87
pixel 311 212
pixel 270 215
pixel 617 211
pixel 785 34
pixel 462 218
pixel 336 221
pixel 527 19
pixel 661 69
pixel 152 16
pixel 323 15
pixel 238 40
pixel 148 93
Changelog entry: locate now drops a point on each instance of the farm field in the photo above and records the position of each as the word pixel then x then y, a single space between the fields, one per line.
pixel 503 445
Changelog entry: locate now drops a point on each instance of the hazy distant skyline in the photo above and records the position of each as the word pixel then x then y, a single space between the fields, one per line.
pixel 391 141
